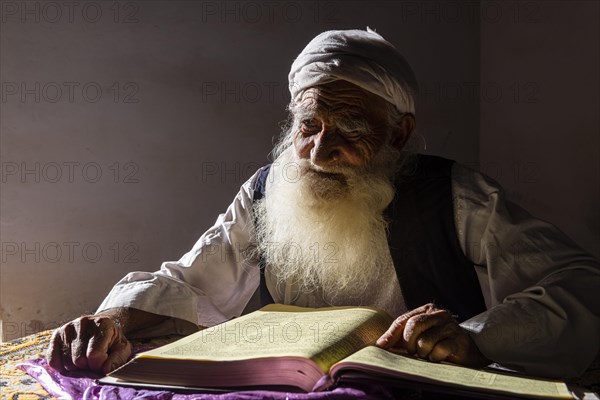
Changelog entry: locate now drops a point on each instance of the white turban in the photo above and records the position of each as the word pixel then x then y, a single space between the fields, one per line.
pixel 363 58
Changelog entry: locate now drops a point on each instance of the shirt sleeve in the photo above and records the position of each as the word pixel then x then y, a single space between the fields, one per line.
pixel 540 288
pixel 210 284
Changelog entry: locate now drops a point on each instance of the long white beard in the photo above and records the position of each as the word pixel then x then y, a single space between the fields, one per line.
pixel 322 234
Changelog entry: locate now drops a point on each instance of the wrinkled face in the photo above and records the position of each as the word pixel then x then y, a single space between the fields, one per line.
pixel 339 126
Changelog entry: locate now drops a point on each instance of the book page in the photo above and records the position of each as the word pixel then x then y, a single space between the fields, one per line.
pixel 380 361
pixel 325 335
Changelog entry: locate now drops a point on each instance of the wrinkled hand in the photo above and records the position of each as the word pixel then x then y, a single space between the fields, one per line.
pixel 433 334
pixel 91 342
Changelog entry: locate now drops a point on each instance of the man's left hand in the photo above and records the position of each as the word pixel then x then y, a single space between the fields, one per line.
pixel 432 333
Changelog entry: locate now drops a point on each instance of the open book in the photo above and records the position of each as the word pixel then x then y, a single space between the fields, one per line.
pixel 295 348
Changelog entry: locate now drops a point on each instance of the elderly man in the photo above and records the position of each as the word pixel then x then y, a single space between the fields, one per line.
pixel 347 215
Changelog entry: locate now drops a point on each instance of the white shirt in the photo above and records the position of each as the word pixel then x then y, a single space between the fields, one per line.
pixel 540 289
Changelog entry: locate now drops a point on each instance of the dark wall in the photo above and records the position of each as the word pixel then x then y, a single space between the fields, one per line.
pixel 127 127
pixel 540 138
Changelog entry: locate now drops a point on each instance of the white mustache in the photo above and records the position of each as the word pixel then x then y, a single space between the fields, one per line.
pixel 307 166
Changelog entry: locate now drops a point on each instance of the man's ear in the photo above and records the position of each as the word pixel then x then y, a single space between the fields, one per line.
pixel 403 130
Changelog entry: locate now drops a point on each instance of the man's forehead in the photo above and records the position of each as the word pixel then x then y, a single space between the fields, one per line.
pixel 340 97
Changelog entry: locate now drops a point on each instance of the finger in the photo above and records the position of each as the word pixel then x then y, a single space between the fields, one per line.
pixel 53 354
pixel 100 342
pixel 393 334
pixel 395 331
pixel 443 350
pixel 429 339
pixel 79 345
pixel 68 335
pixel 118 354
pixel 418 324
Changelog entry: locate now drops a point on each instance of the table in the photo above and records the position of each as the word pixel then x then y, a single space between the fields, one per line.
pixel 16 384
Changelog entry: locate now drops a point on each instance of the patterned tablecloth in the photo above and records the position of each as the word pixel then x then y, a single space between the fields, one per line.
pixel 15 384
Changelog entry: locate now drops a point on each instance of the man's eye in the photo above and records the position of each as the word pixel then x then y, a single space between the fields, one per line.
pixel 310 125
pixel 353 134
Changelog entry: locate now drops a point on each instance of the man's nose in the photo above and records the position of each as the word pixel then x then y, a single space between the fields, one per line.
pixel 327 147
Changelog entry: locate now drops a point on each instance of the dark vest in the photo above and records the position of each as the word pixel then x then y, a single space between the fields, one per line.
pixel 429 262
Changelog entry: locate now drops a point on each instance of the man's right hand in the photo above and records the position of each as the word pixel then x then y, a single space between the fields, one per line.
pixel 93 342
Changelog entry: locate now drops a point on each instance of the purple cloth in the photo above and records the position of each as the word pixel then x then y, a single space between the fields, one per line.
pixel 82 385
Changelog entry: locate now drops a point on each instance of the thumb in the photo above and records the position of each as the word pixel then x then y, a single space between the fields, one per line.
pixel 118 354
